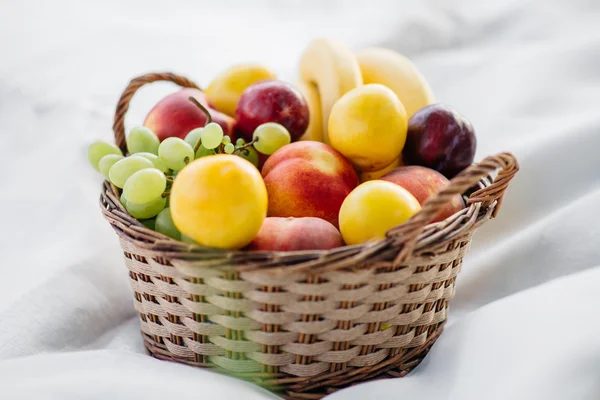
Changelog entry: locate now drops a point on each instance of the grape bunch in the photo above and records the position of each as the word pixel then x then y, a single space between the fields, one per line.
pixel 147 173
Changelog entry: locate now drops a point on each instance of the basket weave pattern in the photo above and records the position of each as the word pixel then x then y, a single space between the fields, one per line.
pixel 304 324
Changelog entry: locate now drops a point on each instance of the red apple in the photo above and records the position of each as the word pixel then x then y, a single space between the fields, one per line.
pixel 422 183
pixel 308 179
pixel 175 115
pixel 272 101
pixel 440 138
pixel 290 234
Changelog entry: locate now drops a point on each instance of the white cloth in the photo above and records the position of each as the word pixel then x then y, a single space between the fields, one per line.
pixel 524 323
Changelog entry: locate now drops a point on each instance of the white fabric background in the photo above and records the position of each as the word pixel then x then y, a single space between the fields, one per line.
pixel 524 323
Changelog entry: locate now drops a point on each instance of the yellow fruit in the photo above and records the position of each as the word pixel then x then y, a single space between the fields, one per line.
pixel 314 131
pixel 332 67
pixel 397 72
pixel 373 208
pixel 368 125
pixel 225 90
pixel 219 201
pixel 369 176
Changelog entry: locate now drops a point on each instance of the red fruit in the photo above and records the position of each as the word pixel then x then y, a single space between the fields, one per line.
pixel 290 234
pixel 262 159
pixel 441 139
pixel 175 115
pixel 308 179
pixel 423 183
pixel 272 101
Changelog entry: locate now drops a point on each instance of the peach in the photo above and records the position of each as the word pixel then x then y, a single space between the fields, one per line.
pixel 290 234
pixel 308 179
pixel 175 115
pixel 422 183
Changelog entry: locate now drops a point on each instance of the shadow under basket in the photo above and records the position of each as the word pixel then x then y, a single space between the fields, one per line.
pixel 304 324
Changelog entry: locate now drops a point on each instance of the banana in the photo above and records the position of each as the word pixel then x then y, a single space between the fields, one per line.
pixel 397 72
pixel 333 69
pixel 315 124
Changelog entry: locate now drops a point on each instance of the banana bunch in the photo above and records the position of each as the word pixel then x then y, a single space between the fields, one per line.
pixel 329 69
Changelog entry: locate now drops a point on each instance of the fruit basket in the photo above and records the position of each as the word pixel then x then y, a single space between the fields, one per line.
pixel 304 324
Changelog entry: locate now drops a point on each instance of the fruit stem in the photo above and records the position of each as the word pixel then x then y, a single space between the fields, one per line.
pixel 208 119
pixel 245 146
pixel 166 194
pixel 197 146
pixel 200 106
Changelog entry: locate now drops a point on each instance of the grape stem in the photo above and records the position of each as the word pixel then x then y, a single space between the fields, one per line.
pixel 208 119
pixel 197 145
pixel 244 147
pixel 166 194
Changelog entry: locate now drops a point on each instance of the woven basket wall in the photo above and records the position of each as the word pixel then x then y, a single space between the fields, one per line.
pixel 304 324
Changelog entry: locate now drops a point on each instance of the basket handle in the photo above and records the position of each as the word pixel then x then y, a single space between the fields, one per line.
pixel 409 231
pixel 134 85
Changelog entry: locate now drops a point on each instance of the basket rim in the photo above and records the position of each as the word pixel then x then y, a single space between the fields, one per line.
pixel 133 231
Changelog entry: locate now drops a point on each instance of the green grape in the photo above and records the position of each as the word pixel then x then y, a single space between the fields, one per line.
pixel 226 139
pixel 108 161
pixel 123 169
pixel 149 223
pixel 270 137
pixel 176 153
pixel 212 135
pixel 155 160
pixel 146 210
pixel 187 239
pixel 99 149
pixel 123 200
pixel 250 154
pixel 203 151
pixel 142 140
pixel 240 142
pixel 165 225
pixel 193 136
pixel 229 148
pixel 145 185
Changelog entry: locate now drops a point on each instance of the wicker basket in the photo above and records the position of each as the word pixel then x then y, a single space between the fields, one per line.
pixel 303 324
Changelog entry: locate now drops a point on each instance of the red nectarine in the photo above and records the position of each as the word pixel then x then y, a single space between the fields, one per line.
pixel 289 234
pixel 423 182
pixel 308 179
pixel 175 115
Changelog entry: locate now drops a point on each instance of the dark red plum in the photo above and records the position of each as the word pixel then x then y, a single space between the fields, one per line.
pixel 272 101
pixel 441 139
